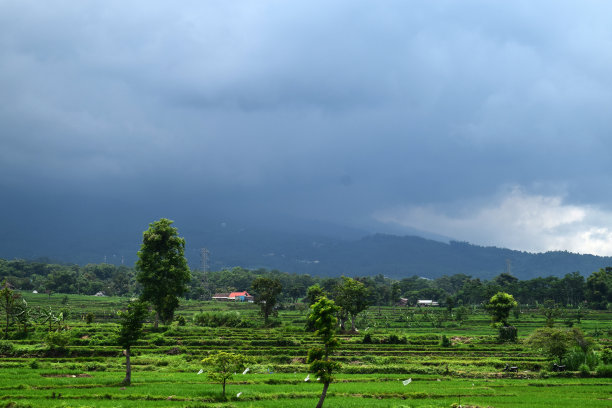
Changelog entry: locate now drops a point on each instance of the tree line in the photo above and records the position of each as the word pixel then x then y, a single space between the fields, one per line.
pixel 572 290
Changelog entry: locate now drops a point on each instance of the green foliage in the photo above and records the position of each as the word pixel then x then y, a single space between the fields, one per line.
pixel 584 370
pixel 352 298
pixel 499 307
pixel 461 313
pixel 221 319
pixel 606 356
pixel 314 293
pixel 57 340
pixel 222 365
pixel 599 288
pixel 604 370
pixel 445 341
pixel 553 342
pixel 266 294
pixel 131 322
pixel 323 318
pixel 576 357
pixel 6 348
pixel 550 309
pixel 8 304
pixel 162 268
pixel 89 318
pixel 507 334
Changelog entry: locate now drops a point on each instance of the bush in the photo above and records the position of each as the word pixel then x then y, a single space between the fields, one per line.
pixel 606 356
pixel 89 317
pixel 576 357
pixel 34 364
pixel 57 340
pixel 180 319
pixel 508 334
pixel 585 371
pixel 444 341
pixel 220 319
pixel 604 370
pixel 367 339
pixel 158 340
pixel 6 348
pixel 394 339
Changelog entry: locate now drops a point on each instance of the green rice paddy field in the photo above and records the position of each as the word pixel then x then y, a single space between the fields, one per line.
pixel 405 344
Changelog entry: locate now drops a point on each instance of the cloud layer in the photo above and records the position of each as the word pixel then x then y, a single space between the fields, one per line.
pixel 318 110
pixel 516 219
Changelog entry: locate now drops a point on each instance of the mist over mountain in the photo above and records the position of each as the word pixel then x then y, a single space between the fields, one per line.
pixel 281 242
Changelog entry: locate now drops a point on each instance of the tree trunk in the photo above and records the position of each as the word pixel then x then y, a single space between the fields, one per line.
pixel 128 367
pixel 353 323
pixel 323 394
pixel 156 324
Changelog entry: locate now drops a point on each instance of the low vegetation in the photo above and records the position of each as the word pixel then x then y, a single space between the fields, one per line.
pixel 82 364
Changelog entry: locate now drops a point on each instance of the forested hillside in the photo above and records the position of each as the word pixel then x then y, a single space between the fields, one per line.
pixel 393 256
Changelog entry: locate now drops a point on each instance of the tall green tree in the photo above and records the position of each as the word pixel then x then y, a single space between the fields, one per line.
pixel 266 294
pixel 323 318
pixel 599 288
pixel 162 269
pixel 130 331
pixel 313 294
pixel 499 307
pixel 352 297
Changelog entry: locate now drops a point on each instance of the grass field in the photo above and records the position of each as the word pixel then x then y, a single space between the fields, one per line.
pixel 404 344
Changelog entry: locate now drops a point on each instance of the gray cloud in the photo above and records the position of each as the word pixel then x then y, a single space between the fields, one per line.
pixel 327 111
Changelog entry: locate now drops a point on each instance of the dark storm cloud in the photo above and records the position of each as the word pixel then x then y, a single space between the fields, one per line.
pixel 343 111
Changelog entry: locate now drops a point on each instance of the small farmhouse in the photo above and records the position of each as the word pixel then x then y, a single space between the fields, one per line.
pixel 233 296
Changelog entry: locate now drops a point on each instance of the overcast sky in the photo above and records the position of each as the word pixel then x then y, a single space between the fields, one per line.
pixel 484 121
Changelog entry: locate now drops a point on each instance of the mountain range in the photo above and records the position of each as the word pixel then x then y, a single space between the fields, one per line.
pixel 317 249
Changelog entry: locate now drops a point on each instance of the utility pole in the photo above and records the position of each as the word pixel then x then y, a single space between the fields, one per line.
pixel 204 258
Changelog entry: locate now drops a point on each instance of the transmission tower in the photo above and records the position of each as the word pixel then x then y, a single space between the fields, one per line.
pixel 204 255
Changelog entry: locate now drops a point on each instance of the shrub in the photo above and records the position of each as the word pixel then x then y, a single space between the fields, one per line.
pixel 508 334
pixel 180 319
pixel 584 369
pixel 394 339
pixel 57 340
pixel 444 341
pixel 220 319
pixel 34 364
pixel 367 339
pixel 158 340
pixel 6 348
pixel 604 370
pixel 89 317
pixel 576 357
pixel 606 356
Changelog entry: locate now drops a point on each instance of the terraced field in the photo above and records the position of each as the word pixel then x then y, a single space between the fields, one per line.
pixel 400 346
